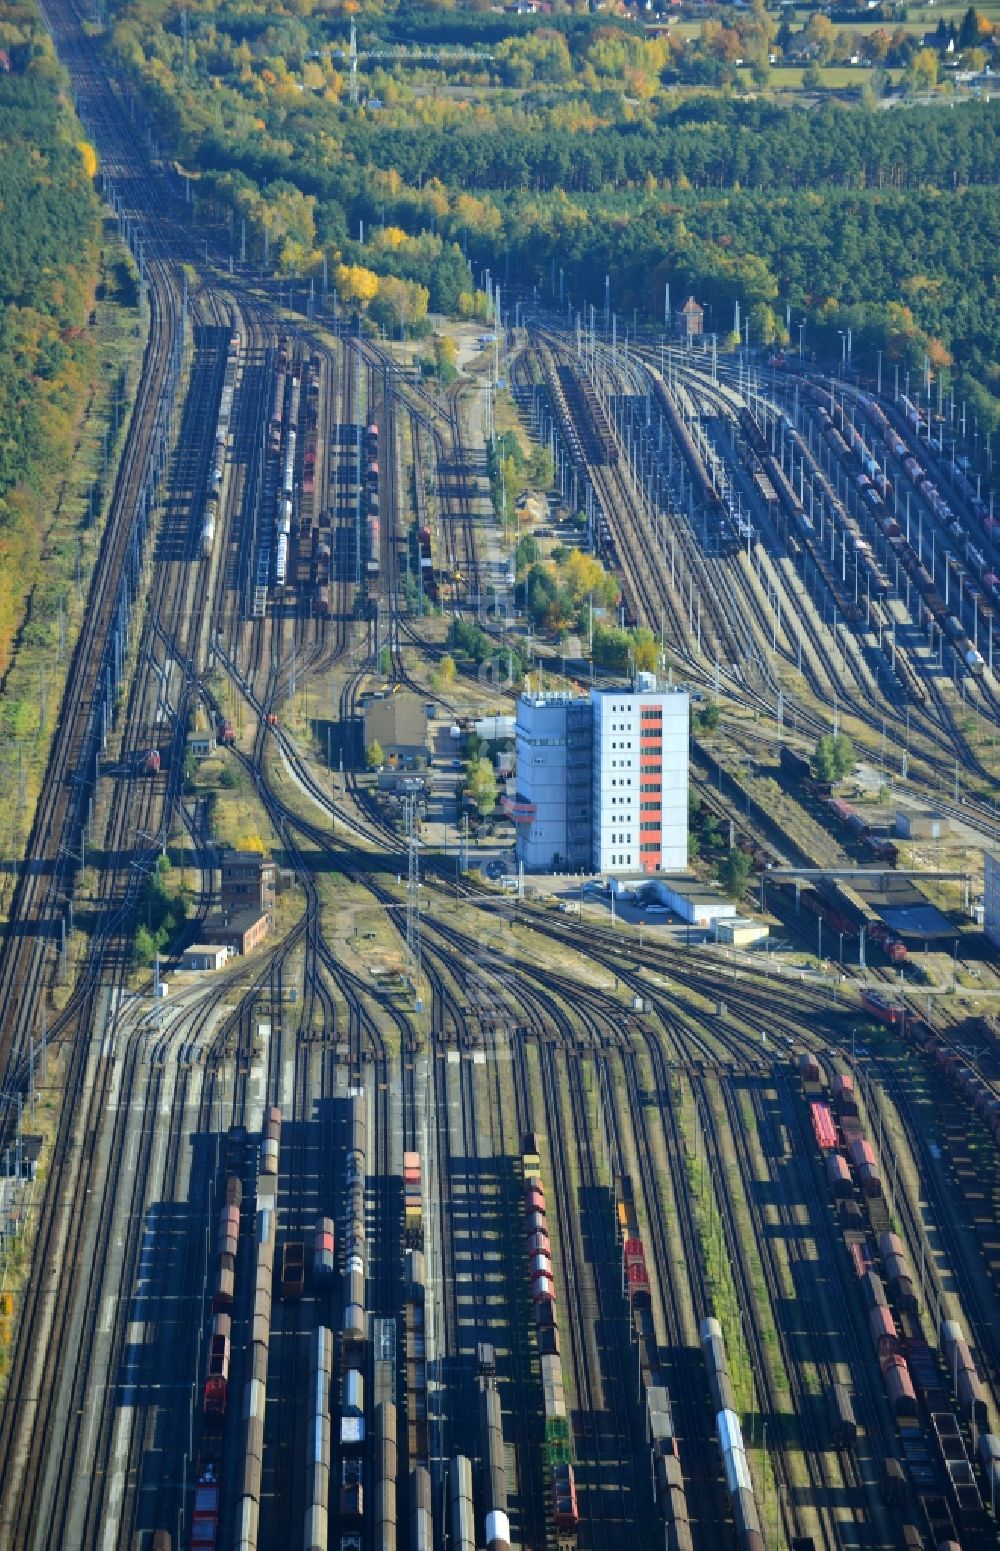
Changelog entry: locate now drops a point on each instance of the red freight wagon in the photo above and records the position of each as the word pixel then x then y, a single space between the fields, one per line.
pixel 883 1331
pixel 843 1093
pixel 861 1257
pixel 899 1386
pixel 838 1174
pixel 566 1511
pixel 866 1167
pixel 808 1068
pixel 823 1126
pixel 637 1278
pixel 850 1127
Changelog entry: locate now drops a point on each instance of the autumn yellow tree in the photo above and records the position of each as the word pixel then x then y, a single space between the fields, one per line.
pixel 89 156
pixel 355 285
pixel 584 576
pixel 399 303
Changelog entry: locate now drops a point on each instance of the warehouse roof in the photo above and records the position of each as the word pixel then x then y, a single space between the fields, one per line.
pixel 397 722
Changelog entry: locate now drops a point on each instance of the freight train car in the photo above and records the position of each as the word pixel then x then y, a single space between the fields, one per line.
pixel 661 1434
pixel 323 1262
pixel 561 1477
pixel 967 1386
pixel 354 1327
pixel 823 1127
pixel 586 413
pixel 413 1201
pixel 494 1453
pixel 739 1483
pixel 843 1426
pixel 318 1442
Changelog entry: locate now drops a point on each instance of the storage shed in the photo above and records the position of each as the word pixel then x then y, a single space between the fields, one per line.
pixel 200 745
pixel 204 956
pixel 694 902
pixel 920 826
pixel 741 931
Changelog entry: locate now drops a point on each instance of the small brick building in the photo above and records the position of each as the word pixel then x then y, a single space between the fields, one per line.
pixel 248 883
pixel 689 321
pixel 240 931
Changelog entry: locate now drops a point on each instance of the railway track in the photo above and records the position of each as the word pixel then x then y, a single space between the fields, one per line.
pixel 569 1032
pixel 853 694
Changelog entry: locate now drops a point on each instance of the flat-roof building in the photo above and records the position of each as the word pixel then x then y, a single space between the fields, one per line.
pixel 205 956
pixel 640 779
pixel 602 781
pixel 239 931
pixel 398 723
pixel 553 806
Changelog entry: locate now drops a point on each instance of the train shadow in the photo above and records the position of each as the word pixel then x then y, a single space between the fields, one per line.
pixel 163 1353
pixel 163 1342
pixel 608 1441
pixel 177 537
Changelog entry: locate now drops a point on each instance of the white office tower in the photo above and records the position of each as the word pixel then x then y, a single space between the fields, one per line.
pixel 640 782
pixel 552 811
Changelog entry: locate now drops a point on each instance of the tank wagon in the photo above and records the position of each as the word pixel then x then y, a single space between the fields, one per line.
pixel 497 1523
pixel 354 1328
pixel 461 1515
pixel 739 1484
pixel 967 1386
pixel 220 448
